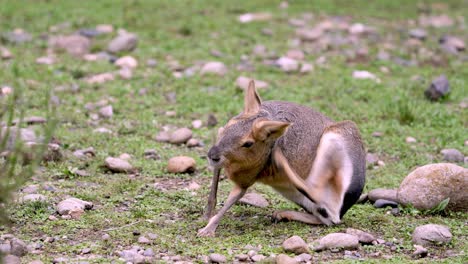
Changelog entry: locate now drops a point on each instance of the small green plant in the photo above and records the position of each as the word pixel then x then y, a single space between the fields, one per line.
pixel 438 209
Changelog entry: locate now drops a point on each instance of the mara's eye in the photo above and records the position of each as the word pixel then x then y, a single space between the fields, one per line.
pixel 247 144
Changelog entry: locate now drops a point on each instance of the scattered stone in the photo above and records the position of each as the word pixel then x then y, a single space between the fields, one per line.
pixel 410 140
pixel 257 258
pixel 197 124
pixel 100 78
pixel 105 237
pixel 84 153
pixel 309 34
pixel 304 257
pixel 72 204
pixel 45 60
pixel 295 54
pixel 420 252
pixel 126 62
pixel 214 67
pixel 18 247
pixel 371 159
pixel 418 33
pixel 132 256
pixel 243 83
pixel 363 198
pixel 181 164
pixel 357 29
pixel 217 258
pixel 365 75
pixel 105 28
pixel 11 259
pixel 18 36
pixel 102 130
pixel 254 199
pixel 436 21
pixel 452 155
pixel 337 241
pixel 362 236
pixel 163 136
pixel 144 240
pixel 33 198
pixel 180 136
pixel 151 154
pixel 306 68
pixel 5 54
pixel 33 188
pixel 126 73
pixel 251 17
pixel 118 165
pixel 36 262
pixel 386 194
pixel 287 64
pixel 89 32
pixel 431 234
pixel 295 244
pixel 75 45
pixel 212 120
pixel 191 143
pixel 106 111
pixel 382 203
pixel 395 211
pixel 123 42
pixel 452 44
pixel 25 134
pixel 439 87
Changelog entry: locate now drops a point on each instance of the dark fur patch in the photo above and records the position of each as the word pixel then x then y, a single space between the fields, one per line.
pixel 305 194
pixel 323 212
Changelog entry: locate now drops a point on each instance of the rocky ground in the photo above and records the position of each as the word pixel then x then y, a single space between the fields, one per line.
pixel 140 87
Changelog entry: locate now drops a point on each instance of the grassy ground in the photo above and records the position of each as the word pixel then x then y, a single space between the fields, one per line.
pixel 188 31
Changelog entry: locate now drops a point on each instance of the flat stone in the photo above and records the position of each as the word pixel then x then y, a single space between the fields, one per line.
pixel 11 259
pixel 382 203
pixel 254 199
pixel 420 252
pixel 257 258
pixel 242 82
pixel 251 17
pixel 144 240
pixel 431 234
pixel 295 244
pixel 75 45
pixel 287 64
pixel 106 111
pixel 214 67
pixel 71 204
pixel 126 62
pixel 18 36
pixel 338 241
pixel 362 236
pixel 104 28
pixel 309 34
pixel 418 33
pixel 118 165
pixel 100 78
pixel 163 136
pixel 217 258
pixel 180 136
pixel 386 194
pixel 33 198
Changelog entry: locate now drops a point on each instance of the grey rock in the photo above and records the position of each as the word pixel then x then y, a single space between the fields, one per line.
pixel 363 198
pixel 254 199
pixel 75 45
pixel 89 32
pixel 144 240
pixel 106 111
pixel 242 82
pixel 304 257
pixel 217 258
pixel 452 155
pixel 362 236
pixel 11 259
pixel 18 247
pixel 25 134
pixel 71 204
pixel 181 164
pixel 382 203
pixel 452 43
pixel 148 252
pixel 214 67
pixel 431 234
pixel 123 42
pixel 439 87
pixel 257 258
pixel 180 136
pixel 371 159
pixel 386 194
pixel 337 241
pixel 33 188
pixel 105 237
pixel 296 245
pixel 18 36
pixel 429 185
pixel 33 198
pixel 36 262
pixel 5 247
pixel 287 64
pixel 418 33
pixel 163 136
pixel 118 165
pixel 309 34
pixel 84 153
pixel 242 257
pixel 132 256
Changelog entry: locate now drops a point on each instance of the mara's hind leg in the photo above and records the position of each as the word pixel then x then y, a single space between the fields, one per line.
pixel 296 216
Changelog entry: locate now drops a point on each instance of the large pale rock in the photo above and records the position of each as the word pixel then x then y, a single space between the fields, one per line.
pixel 217 258
pixel 338 241
pixel 452 155
pixel 11 259
pixel 243 83
pixel 75 45
pixel 73 204
pixel 181 164
pixel 33 198
pixel 309 34
pixel 427 186
pixel 287 64
pixel 439 88
pixel 431 234
pixel 362 236
pixel 285 259
pixel 126 62
pixel 18 247
pixel 296 245
pixel 214 67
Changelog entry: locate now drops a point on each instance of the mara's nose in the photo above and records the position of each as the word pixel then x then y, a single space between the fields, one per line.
pixel 214 154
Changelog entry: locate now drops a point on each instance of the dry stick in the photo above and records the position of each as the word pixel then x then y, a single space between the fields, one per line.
pixel 115 228
pixel 212 198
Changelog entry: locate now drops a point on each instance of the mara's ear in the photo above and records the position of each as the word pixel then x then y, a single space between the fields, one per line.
pixel 267 129
pixel 252 101
pixel 220 131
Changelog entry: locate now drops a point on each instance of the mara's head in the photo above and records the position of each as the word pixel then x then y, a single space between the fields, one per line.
pixel 244 144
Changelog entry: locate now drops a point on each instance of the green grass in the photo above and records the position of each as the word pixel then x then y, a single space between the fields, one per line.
pixel 188 31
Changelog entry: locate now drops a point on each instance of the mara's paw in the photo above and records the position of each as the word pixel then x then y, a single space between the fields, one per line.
pixel 206 232
pixel 281 216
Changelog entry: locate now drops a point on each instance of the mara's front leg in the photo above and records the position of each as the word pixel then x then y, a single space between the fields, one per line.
pixel 234 196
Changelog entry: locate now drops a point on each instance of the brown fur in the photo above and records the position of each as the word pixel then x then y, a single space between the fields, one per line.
pixel 302 154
